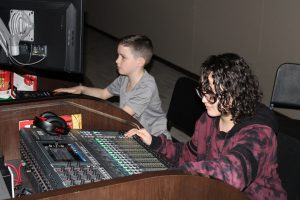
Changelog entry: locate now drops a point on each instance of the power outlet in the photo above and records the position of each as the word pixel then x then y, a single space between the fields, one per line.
pixel 39 50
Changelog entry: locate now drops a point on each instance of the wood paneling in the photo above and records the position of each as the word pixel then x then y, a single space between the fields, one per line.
pixel 98 114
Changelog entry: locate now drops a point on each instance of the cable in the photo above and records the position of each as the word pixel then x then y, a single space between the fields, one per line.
pixel 15 61
pixel 18 178
pixel 19 171
pixel 3 43
pixel 12 182
pixel 5 35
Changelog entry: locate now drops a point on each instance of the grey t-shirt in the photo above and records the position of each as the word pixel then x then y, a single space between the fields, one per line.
pixel 144 100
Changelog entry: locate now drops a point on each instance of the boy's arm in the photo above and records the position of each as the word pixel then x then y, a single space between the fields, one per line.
pixel 90 91
pixel 129 110
pixel 96 92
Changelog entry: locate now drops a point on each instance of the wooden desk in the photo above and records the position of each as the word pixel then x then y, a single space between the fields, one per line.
pixel 98 114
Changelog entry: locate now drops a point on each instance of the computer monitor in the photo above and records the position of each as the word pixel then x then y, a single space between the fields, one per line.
pixel 42 34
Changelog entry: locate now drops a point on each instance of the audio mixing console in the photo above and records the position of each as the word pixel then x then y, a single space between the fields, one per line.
pixel 83 157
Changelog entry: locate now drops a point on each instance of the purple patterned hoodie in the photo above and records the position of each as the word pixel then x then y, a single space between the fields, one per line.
pixel 245 157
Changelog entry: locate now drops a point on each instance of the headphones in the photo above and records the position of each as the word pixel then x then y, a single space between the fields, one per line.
pixel 51 124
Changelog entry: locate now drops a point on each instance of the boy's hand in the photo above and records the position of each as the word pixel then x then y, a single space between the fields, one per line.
pixel 142 133
pixel 72 90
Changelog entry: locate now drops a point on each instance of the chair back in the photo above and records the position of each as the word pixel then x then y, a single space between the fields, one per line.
pixel 185 106
pixel 286 94
pixel 286 90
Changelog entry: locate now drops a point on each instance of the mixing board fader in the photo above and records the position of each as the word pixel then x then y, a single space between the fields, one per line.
pixel 84 157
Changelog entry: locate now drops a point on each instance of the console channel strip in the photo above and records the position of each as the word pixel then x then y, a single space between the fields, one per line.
pixel 83 157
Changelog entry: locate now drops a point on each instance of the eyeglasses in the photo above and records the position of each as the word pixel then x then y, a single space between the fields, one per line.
pixel 210 97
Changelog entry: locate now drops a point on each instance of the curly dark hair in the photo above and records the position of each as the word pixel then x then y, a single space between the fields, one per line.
pixel 236 88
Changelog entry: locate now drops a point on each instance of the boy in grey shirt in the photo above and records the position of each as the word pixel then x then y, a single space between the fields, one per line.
pixel 136 87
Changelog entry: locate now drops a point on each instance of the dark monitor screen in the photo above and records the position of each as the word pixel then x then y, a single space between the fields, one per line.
pixel 62 153
pixel 42 34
